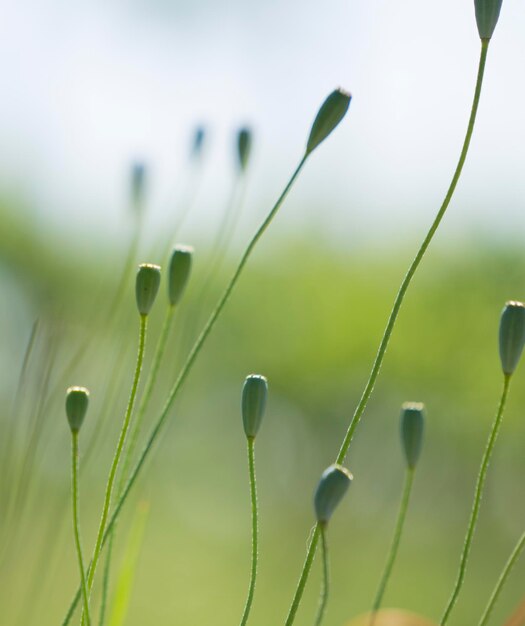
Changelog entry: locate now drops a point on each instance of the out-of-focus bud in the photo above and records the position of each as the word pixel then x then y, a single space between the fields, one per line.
pixel 330 114
pixel 77 399
pixel 147 286
pixel 198 142
pixel 333 485
pixel 253 403
pixel 138 185
pixel 511 335
pixel 412 427
pixel 244 146
pixel 179 272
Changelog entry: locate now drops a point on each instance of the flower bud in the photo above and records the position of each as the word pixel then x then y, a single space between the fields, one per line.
pixel 412 427
pixel 77 399
pixel 333 485
pixel 330 114
pixel 511 335
pixel 180 267
pixel 138 177
pixel 253 403
pixel 244 146
pixel 147 286
pixel 487 14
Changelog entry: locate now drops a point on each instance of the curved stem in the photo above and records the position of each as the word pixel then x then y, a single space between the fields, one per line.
pixel 76 525
pixel 191 359
pixel 503 579
pixel 413 267
pixel 403 507
pixel 417 260
pixel 477 501
pixel 118 453
pixel 323 600
pixel 253 496
pixel 310 554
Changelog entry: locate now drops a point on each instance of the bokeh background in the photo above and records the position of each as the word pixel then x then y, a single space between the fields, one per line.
pixel 91 88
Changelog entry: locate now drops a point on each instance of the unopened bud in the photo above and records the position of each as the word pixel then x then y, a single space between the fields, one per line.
pixel 138 185
pixel 253 403
pixel 179 273
pixel 333 485
pixel 412 427
pixel 511 335
pixel 147 286
pixel 244 146
pixel 77 399
pixel 330 114
pixel 487 14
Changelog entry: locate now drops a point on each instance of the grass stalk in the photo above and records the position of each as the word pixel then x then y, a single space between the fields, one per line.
pixel 392 553
pixel 515 554
pixel 186 368
pixel 118 453
pixel 76 525
pixel 255 530
pixel 323 599
pixel 477 502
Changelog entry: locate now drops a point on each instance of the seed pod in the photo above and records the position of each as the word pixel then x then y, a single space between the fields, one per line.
pixel 244 146
pixel 138 177
pixel 412 427
pixel 77 399
pixel 330 114
pixel 487 14
pixel 333 485
pixel 147 286
pixel 253 403
pixel 511 335
pixel 198 142
pixel 179 273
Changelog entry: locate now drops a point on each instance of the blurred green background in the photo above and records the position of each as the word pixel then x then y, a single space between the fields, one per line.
pixel 90 87
pixel 308 317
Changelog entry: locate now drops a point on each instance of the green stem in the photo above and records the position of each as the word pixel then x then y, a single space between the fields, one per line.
pixel 304 575
pixel 323 600
pixel 412 269
pixel 105 580
pixel 118 453
pixel 76 528
pixel 253 496
pixel 477 501
pixel 191 359
pixel 415 263
pixel 403 507
pixel 503 579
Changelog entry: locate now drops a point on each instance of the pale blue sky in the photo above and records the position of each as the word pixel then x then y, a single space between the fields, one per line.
pixel 88 86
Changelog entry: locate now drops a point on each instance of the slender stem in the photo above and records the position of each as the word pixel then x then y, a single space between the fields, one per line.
pixel 310 554
pixel 323 600
pixel 413 267
pixel 190 361
pixel 403 507
pixel 477 501
pixel 417 260
pixel 118 452
pixel 253 496
pixel 76 525
pixel 503 579
pixel 106 579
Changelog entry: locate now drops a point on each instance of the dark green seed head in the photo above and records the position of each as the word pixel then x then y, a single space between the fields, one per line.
pixel 412 428
pixel 330 114
pixel 511 335
pixel 180 267
pixel 77 399
pixel 138 185
pixel 333 485
pixel 244 146
pixel 147 286
pixel 253 403
pixel 487 14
